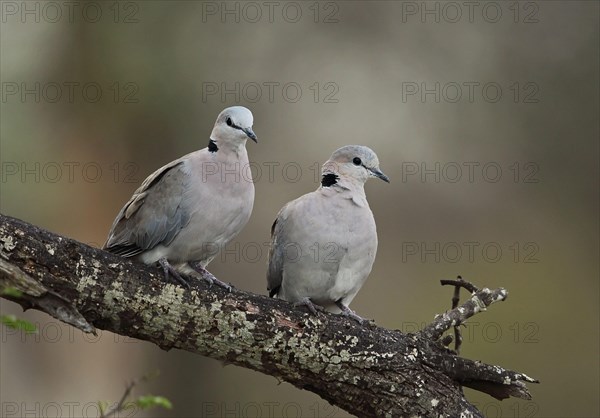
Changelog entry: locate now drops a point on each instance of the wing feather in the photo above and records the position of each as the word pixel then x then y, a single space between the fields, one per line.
pixel 276 256
pixel 154 215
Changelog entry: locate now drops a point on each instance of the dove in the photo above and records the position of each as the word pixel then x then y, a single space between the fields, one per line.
pixel 323 244
pixel 188 210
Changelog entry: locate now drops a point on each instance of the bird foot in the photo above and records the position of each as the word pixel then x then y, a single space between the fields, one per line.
pixel 169 270
pixel 309 305
pixel 346 311
pixel 209 277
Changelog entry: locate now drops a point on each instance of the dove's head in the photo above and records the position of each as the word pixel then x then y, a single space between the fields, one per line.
pixel 233 127
pixel 354 164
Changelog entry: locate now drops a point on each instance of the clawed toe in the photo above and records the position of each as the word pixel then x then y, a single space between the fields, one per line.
pixel 170 271
pixel 209 277
pixel 359 319
pixel 309 305
pixel 181 280
pixel 213 280
pixel 346 311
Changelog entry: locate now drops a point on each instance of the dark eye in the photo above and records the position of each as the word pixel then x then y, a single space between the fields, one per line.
pixel 357 161
pixel 229 123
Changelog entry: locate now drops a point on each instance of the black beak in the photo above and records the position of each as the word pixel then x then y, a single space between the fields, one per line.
pixel 379 174
pixel 251 134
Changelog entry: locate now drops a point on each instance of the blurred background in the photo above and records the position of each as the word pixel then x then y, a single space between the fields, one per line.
pixel 485 117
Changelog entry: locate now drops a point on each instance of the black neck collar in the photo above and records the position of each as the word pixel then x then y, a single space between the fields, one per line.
pixel 329 179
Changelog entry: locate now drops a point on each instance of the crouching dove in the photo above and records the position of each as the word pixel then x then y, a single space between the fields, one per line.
pixel 323 244
pixel 188 210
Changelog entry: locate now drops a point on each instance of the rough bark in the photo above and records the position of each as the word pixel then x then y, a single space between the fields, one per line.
pixel 366 370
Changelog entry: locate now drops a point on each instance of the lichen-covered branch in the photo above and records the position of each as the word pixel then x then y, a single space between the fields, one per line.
pixel 478 302
pixel 366 370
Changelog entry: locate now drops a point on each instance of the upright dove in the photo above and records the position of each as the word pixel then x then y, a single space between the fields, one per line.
pixel 323 244
pixel 188 210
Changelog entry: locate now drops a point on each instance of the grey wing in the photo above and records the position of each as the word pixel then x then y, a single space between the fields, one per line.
pixel 154 215
pixel 276 255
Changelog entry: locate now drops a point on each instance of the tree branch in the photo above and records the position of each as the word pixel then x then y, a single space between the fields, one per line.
pixel 479 302
pixel 366 370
